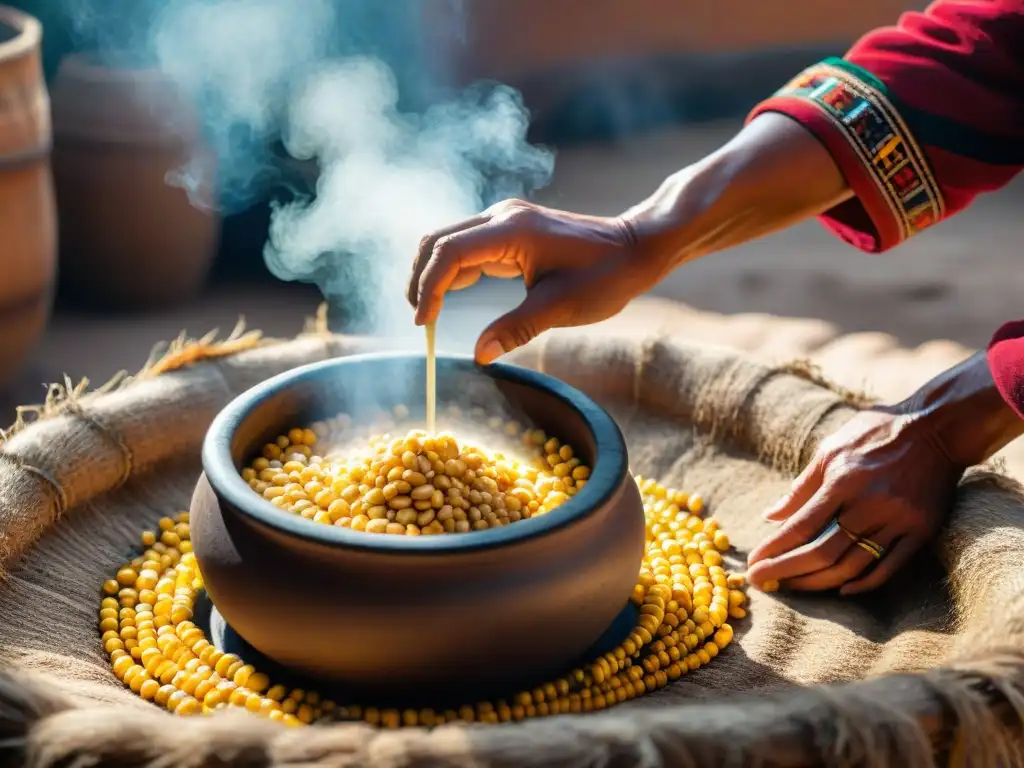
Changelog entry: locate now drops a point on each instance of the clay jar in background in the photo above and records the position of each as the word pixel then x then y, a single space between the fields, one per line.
pixel 27 212
pixel 129 239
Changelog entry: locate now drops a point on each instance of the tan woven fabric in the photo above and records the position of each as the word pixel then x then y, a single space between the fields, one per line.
pixel 869 362
pixel 938 647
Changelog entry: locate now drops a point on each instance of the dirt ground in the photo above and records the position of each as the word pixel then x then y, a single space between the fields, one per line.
pixel 958 281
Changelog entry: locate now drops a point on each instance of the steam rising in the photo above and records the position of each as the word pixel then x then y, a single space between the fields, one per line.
pixel 238 61
pixel 321 74
pixel 387 179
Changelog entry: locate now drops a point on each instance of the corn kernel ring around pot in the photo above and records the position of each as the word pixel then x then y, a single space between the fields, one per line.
pixel 414 612
pixel 158 648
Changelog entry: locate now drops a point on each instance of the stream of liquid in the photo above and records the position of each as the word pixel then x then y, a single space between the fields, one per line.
pixel 431 380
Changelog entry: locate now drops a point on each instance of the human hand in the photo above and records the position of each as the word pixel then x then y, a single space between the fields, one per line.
pixel 886 478
pixel 581 269
pixel 577 269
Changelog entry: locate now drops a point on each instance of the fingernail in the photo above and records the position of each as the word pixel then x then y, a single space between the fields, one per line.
pixel 490 351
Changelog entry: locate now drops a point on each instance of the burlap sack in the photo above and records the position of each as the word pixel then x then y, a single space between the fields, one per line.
pixel 928 670
pixel 874 363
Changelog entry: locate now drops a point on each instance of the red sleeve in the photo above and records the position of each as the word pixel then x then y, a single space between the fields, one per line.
pixel 1006 361
pixel 921 117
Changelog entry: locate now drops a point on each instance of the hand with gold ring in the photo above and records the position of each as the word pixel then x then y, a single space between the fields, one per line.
pixel 873 548
pixel 875 492
pixel 880 487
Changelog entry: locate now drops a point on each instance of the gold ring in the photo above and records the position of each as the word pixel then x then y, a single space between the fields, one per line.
pixel 873 545
pixel 877 550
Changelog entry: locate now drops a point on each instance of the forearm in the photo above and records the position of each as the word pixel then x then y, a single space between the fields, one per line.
pixel 773 174
pixel 964 409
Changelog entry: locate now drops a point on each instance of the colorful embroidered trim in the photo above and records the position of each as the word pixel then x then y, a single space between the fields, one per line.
pixel 881 139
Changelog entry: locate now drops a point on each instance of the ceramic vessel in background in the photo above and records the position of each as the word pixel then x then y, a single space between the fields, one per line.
pixel 129 239
pixel 393 616
pixel 27 212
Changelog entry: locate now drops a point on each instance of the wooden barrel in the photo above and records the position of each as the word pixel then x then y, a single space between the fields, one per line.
pixel 27 212
pixel 130 237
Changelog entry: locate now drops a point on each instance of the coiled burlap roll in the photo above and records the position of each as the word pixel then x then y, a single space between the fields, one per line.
pixel 928 669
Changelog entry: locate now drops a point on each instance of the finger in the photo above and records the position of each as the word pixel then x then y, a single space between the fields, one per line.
pixel 820 553
pixel 453 253
pixel 546 306
pixel 470 276
pixel 501 269
pixel 801 527
pixel 427 248
pixel 466 278
pixel 852 564
pixel 891 562
pixel 800 492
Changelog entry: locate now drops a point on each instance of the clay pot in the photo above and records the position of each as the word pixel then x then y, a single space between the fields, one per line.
pixel 27 212
pixel 129 239
pixel 396 615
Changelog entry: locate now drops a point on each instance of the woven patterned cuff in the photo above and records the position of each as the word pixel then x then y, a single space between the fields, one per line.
pixel 851 113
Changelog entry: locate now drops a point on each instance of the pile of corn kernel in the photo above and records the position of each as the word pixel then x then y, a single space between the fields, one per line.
pixel 683 593
pixel 419 484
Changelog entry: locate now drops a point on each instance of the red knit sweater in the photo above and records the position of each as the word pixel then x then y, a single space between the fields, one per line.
pixel 921 119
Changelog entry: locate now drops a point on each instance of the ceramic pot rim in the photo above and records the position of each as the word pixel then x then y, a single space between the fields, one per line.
pixel 28 31
pixel 607 474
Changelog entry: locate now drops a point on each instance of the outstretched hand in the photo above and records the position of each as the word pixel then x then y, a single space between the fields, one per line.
pixel 883 482
pixel 577 269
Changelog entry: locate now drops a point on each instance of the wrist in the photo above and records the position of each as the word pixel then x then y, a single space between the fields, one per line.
pixel 664 225
pixel 773 174
pixel 964 413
